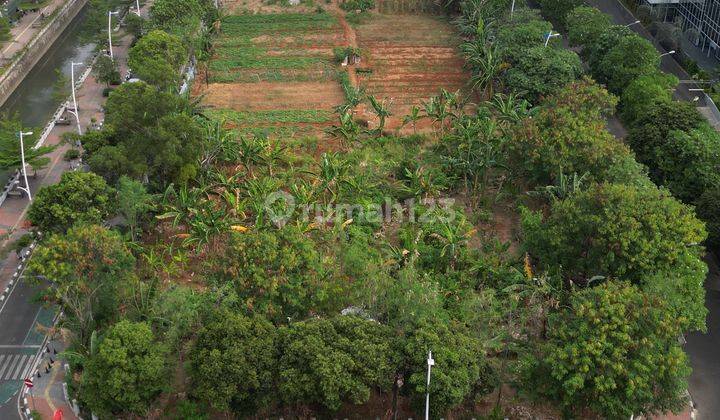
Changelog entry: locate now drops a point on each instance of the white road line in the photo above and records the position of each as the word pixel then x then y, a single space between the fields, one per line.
pixel 20 366
pixel 28 367
pixel 2 357
pixel 8 364
pixel 19 346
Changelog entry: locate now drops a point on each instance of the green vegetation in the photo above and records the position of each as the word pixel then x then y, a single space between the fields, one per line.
pixel 520 242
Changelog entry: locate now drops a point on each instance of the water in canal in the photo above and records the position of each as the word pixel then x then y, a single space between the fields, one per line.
pixel 33 100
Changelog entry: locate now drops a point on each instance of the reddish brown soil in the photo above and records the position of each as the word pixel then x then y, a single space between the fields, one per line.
pixel 409 59
pixel 274 95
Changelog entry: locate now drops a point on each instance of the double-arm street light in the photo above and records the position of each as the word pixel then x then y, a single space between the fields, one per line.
pixel 75 111
pixel 110 14
pixel 22 159
pixel 550 35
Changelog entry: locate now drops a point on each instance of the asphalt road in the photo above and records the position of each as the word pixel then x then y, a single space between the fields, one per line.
pixel 18 343
pixel 704 349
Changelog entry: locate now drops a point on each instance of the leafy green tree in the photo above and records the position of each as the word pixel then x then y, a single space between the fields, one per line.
pixel 106 70
pixel 155 139
pixel 135 25
pixel 134 203
pixel 126 374
pixel 615 351
pixel 585 24
pixel 642 93
pixel 632 57
pixel 541 71
pixel 708 210
pixel 621 232
pixel 157 58
pixel 651 129
pixel 88 267
pixel 173 13
pixel 5 34
pixel 10 126
pixel 232 362
pixel 79 197
pixel 596 50
pixel 526 30
pixel 688 163
pixel 277 273
pixel 568 135
pixel 457 370
pixel 557 10
pixel 618 231
pixel 329 362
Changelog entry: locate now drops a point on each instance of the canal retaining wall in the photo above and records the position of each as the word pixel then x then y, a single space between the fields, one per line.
pixel 37 47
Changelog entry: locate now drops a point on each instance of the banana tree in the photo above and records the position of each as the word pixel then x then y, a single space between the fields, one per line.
pixel 412 118
pixel 347 131
pixel 381 110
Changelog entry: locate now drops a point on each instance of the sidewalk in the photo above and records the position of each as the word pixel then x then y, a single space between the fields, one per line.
pixel 24 31
pixel 47 394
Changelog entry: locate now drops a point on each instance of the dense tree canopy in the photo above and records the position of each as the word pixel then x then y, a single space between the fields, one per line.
pixel 278 274
pixel 88 266
pixel 150 135
pixel 541 71
pixel 328 361
pixel 642 93
pixel 557 10
pixel 126 373
pixel 585 25
pixel 632 57
pixel 614 350
pixel 233 361
pixel 157 58
pixel 79 197
pixel 618 231
pixel 568 136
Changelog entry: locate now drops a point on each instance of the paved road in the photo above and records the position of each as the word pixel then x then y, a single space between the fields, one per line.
pixel 704 351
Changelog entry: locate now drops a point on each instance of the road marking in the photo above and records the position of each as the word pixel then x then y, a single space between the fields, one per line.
pixel 2 357
pixel 10 362
pixel 21 364
pixel 28 367
pixel 10 346
pixel 32 326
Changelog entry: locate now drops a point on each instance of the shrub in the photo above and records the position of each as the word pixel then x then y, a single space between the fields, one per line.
pixel 643 92
pixel 71 154
pixel 361 5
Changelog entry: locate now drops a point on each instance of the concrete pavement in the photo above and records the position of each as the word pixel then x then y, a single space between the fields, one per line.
pixel 25 29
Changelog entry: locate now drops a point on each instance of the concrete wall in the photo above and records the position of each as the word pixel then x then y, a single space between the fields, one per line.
pixel 40 44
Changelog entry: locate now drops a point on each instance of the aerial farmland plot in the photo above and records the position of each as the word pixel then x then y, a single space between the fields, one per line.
pixel 274 70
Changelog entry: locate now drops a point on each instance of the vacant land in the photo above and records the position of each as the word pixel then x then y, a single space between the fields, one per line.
pixel 408 59
pixel 274 70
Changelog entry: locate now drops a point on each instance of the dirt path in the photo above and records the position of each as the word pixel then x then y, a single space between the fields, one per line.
pixel 350 41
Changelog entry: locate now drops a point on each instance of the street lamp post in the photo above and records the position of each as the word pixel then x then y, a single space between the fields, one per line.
pixel 668 53
pixel 631 24
pixel 550 35
pixel 22 159
pixel 430 364
pixel 110 13
pixel 137 3
pixel 512 9
pixel 75 110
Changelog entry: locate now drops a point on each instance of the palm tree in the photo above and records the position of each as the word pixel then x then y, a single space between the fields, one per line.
pixel 382 110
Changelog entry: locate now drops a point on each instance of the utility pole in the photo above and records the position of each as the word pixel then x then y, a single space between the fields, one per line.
pixel 75 110
pixel 22 158
pixel 110 14
pixel 430 364
pixel 137 3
